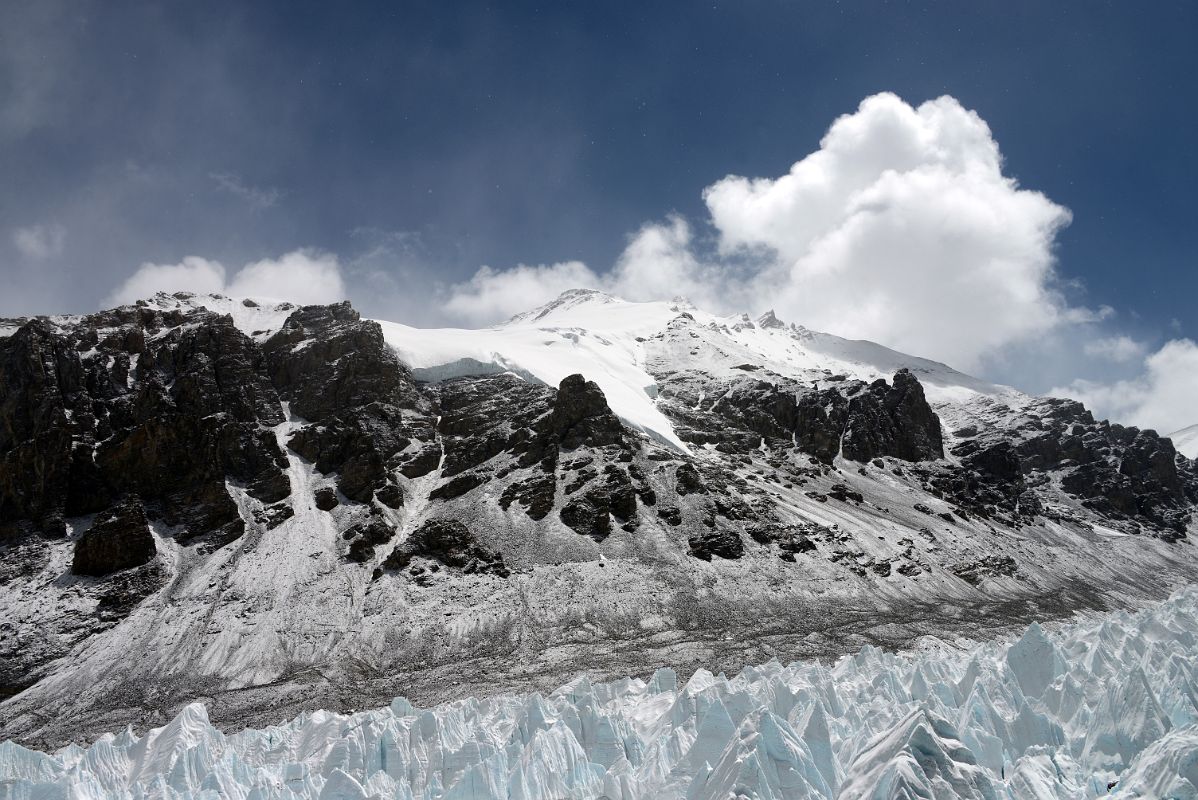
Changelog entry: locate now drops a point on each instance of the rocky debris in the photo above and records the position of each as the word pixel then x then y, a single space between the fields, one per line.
pixel 420 461
pixel 390 495
pixel 326 498
pixel 791 540
pixel 118 539
pixel 535 493
pixel 671 515
pixel 844 494
pixel 1030 505
pixel 458 486
pixel 591 513
pixel 365 536
pixel 450 543
pixel 125 589
pixel 274 515
pixel 687 480
pixel 721 542
pixel 974 572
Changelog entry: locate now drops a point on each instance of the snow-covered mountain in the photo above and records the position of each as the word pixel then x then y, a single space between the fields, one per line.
pixel 1102 707
pixel 617 344
pixel 280 508
pixel 1186 441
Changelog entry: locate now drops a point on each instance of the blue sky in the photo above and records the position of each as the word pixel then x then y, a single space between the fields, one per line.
pixel 415 142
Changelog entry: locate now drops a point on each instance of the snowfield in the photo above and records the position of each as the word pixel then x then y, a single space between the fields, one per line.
pixel 1104 706
pixel 1186 441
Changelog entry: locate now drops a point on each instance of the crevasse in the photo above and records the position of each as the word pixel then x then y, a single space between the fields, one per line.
pixel 1104 706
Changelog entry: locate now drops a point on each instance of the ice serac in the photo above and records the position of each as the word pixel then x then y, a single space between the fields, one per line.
pixel 1034 661
pixel 940 723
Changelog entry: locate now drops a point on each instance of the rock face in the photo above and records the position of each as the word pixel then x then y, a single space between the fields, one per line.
pixel 118 539
pixel 1122 473
pixel 892 420
pixel 581 415
pixel 854 420
pixel 136 402
pixel 337 374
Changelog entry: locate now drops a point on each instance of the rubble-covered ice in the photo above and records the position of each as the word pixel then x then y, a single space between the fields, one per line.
pixel 1103 706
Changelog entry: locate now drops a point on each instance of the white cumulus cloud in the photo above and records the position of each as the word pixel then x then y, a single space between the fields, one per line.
pixel 301 276
pixel 1163 397
pixel 901 228
pixel 40 242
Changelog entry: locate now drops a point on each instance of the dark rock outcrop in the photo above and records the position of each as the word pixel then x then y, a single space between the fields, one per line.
pixel 118 539
pixel 165 406
pixel 591 513
pixel 720 542
pixel 449 542
pixel 326 498
pixel 863 422
pixel 892 420
pixel 365 536
pixel 337 373
pixel 581 415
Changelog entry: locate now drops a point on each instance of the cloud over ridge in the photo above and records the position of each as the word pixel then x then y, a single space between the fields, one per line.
pixel 301 276
pixel 900 228
pixel 1163 396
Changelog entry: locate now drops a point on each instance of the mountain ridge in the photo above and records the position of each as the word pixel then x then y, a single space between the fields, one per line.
pixel 348 519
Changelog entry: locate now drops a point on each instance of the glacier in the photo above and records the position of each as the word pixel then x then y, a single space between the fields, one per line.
pixel 1104 705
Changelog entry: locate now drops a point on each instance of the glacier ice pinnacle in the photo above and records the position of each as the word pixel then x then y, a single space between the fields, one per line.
pixel 1103 706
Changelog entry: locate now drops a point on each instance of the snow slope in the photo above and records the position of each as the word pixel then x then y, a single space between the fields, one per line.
pixel 610 341
pixel 1186 441
pixel 1106 706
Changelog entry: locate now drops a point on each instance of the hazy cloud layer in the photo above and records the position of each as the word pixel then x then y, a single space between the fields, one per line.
pixel 902 216
pixel 1164 396
pixel 39 242
pixel 301 276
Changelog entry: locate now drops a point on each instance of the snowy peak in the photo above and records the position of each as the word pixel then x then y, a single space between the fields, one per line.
pixel 626 347
pixel 571 298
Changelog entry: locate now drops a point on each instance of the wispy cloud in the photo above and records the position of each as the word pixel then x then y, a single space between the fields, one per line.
pixel 39 242
pixel 258 199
